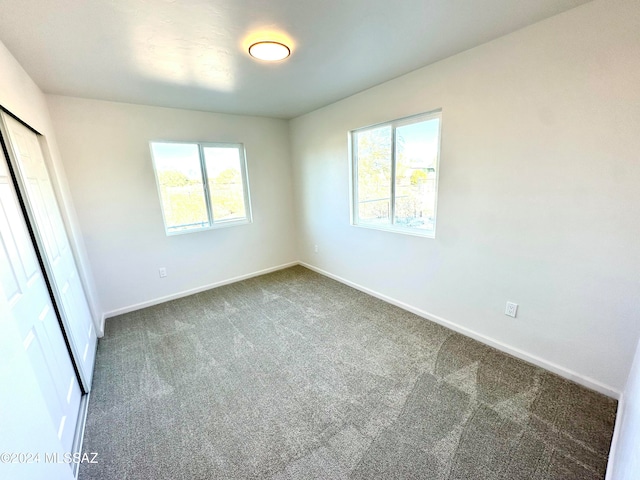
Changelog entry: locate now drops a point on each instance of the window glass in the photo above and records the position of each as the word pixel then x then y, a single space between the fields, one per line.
pixel 224 172
pixel 416 162
pixel 374 175
pixel 395 169
pixel 201 185
pixel 181 187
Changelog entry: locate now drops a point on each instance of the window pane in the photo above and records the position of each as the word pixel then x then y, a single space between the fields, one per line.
pixel 374 175
pixel 225 183
pixel 181 187
pixel 416 163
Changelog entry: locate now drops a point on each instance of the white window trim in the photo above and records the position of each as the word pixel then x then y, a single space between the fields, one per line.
pixel 213 224
pixel 353 171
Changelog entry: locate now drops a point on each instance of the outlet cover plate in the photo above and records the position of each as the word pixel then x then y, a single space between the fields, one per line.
pixel 511 309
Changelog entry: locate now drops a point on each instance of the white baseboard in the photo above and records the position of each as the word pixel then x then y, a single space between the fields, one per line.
pixel 527 357
pixel 100 331
pixel 614 441
pixel 535 360
pixel 186 293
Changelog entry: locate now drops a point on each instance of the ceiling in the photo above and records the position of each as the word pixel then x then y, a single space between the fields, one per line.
pixel 193 53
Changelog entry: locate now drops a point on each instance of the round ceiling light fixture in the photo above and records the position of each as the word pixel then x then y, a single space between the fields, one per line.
pixel 269 51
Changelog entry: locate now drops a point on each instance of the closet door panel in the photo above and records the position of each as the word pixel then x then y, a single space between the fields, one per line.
pixel 37 191
pixel 25 290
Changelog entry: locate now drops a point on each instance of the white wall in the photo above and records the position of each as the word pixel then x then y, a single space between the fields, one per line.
pixel 625 458
pixel 22 97
pixel 105 147
pixel 538 199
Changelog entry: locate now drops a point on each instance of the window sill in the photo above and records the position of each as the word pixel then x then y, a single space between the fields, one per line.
pixel 414 232
pixel 215 226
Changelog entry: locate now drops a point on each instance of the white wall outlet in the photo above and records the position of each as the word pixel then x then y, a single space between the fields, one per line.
pixel 511 310
pixel 315 248
pixel 163 272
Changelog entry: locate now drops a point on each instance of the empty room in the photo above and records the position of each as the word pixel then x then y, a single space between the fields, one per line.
pixel 320 240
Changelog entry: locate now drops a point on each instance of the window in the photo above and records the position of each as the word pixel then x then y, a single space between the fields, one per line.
pixel 395 174
pixel 201 185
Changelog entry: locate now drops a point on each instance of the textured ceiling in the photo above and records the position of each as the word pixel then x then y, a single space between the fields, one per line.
pixel 192 53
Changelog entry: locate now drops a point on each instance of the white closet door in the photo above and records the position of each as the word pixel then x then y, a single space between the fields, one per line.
pixel 24 287
pixel 60 265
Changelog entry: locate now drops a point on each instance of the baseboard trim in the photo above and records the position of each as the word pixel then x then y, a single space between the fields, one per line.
pixel 527 357
pixel 535 360
pixel 186 293
pixel 614 440
pixel 100 332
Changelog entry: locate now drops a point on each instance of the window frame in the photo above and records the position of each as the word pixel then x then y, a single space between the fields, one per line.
pixel 353 170
pixel 213 224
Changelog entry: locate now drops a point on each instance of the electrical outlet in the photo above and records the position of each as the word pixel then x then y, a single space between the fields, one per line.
pixel 511 310
pixel 315 248
pixel 163 272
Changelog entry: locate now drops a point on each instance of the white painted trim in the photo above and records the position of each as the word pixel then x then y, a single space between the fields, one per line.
pixel 527 357
pixel 192 291
pixel 78 439
pixel 614 441
pixel 100 332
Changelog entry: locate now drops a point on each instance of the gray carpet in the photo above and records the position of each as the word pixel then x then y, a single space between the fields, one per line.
pixel 295 376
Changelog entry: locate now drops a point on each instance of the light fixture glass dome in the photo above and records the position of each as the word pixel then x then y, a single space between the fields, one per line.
pixel 269 51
